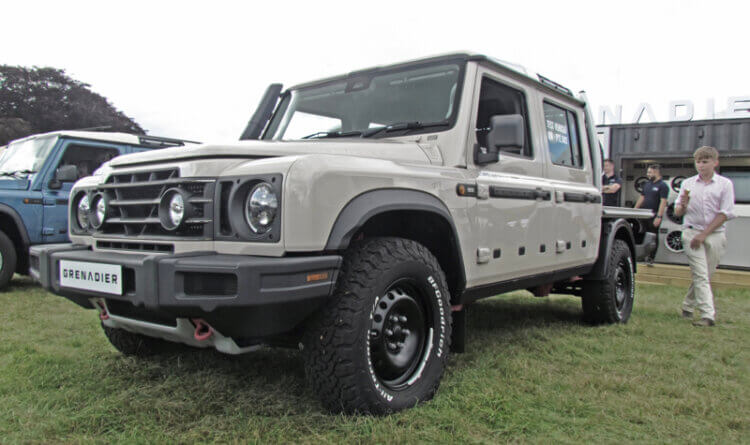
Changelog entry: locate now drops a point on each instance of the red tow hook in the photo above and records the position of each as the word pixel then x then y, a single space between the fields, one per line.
pixel 203 331
pixel 103 314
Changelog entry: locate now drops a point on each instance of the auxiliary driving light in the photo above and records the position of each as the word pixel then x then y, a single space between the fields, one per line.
pixel 82 213
pixel 98 211
pixel 172 209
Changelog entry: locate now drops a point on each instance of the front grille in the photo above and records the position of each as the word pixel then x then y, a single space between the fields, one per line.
pixel 137 247
pixel 134 205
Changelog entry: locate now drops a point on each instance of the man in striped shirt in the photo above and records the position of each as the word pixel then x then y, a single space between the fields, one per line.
pixel 707 201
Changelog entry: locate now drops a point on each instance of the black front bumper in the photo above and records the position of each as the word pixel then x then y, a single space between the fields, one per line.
pixel 241 296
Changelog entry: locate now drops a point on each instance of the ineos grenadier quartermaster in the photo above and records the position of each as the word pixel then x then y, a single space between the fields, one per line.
pixel 357 219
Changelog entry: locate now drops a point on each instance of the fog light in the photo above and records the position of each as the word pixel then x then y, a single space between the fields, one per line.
pixel 172 209
pixel 98 211
pixel 82 213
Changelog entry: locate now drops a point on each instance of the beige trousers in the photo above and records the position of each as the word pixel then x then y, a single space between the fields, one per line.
pixel 703 262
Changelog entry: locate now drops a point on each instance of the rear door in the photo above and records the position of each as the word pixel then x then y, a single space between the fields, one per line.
pixel 577 200
pixel 87 157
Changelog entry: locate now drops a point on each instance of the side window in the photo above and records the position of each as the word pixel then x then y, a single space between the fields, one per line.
pixel 498 99
pixel 562 136
pixel 87 158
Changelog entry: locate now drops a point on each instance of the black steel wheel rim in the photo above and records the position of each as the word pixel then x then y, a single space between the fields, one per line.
pixel 399 329
pixel 622 285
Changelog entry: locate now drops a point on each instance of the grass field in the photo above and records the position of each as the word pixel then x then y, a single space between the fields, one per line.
pixel 532 373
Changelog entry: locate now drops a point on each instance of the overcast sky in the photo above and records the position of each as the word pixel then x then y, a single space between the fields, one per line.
pixel 197 70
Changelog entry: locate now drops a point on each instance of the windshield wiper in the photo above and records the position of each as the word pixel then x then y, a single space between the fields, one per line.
pixel 404 126
pixel 331 134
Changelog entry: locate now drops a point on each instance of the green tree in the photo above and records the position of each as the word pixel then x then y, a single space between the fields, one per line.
pixel 38 100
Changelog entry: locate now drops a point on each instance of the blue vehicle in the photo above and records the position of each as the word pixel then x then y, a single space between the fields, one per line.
pixel 36 175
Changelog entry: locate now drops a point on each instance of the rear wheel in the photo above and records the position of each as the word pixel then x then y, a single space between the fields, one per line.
pixel 8 260
pixel 381 343
pixel 611 300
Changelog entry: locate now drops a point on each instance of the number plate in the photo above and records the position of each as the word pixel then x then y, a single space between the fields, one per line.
pixel 104 278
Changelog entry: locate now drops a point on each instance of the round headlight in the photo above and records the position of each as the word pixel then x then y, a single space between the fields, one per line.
pixel 172 209
pixel 176 209
pixel 261 207
pixel 99 211
pixel 82 213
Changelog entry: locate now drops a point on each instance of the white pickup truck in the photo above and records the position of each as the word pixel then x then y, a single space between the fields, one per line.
pixel 357 219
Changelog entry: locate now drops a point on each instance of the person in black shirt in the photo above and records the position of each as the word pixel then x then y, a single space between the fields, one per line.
pixel 654 197
pixel 611 185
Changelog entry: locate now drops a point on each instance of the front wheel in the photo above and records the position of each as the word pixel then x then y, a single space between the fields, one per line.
pixel 7 260
pixel 381 343
pixel 611 300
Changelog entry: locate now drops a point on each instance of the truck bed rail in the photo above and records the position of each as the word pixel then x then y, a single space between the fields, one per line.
pixel 628 213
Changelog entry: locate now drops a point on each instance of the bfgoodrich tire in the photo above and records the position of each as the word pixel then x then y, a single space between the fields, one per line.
pixel 611 300
pixel 382 342
pixel 7 260
pixel 138 345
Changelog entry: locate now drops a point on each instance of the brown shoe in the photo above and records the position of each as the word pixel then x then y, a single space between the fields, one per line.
pixel 704 322
pixel 687 314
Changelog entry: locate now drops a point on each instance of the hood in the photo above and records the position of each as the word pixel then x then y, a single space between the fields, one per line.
pixel 10 183
pixel 408 152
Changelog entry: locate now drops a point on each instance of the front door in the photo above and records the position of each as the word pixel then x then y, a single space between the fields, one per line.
pixel 513 215
pixel 87 157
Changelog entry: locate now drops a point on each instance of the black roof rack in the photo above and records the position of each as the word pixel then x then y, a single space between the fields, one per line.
pixel 554 85
pixel 144 139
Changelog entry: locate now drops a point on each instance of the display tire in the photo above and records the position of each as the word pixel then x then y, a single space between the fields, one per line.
pixel 9 260
pixel 137 345
pixel 610 300
pixel 347 351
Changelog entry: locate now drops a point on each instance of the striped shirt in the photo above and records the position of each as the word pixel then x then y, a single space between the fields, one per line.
pixel 707 200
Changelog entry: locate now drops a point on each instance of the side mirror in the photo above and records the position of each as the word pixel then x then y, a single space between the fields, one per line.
pixel 507 133
pixel 66 173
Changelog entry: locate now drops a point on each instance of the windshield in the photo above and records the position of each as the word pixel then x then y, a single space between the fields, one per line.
pixel 425 97
pixel 26 156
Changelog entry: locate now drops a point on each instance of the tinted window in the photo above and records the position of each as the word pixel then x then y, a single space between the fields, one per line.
pixel 562 136
pixel 498 99
pixel 87 158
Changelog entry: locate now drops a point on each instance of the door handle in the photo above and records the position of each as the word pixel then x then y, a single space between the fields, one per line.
pixel 540 193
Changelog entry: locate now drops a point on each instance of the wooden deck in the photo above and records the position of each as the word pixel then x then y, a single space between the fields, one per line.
pixel 674 275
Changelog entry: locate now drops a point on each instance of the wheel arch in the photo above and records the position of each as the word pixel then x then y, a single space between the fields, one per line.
pixel 612 230
pixel 405 213
pixel 12 225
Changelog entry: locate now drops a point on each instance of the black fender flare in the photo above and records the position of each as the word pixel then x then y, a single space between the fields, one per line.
pixel 368 204
pixel 610 229
pixel 11 212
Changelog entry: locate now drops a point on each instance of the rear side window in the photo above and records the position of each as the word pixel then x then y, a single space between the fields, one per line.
pixel 498 99
pixel 562 136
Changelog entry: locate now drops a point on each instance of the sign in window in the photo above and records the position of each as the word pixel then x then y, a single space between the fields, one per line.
pixel 562 136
